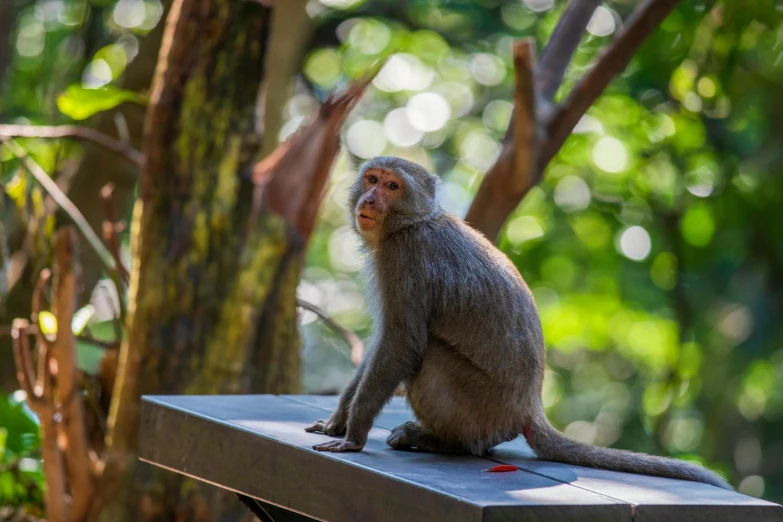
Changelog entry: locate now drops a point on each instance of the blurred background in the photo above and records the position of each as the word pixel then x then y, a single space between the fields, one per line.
pixel 653 246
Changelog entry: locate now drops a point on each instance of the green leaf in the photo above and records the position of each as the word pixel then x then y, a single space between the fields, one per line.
pixel 105 331
pixel 20 427
pixel 80 103
pixel 88 356
pixel 48 324
pixel 17 189
pixel 81 318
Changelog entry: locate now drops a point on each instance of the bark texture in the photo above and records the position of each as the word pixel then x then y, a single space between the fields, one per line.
pixel 204 277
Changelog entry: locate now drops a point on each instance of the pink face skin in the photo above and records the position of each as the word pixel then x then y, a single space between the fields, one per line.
pixel 380 187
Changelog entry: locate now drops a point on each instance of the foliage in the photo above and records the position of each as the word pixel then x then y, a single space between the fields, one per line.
pixel 652 245
pixel 80 103
pixel 21 474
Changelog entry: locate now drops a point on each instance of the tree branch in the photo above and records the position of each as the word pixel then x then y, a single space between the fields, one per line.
pixel 75 132
pixel 564 40
pixel 24 366
pixel 500 191
pixel 71 426
pixel 513 174
pixel 612 61
pixel 291 179
pixel 356 344
pixel 43 406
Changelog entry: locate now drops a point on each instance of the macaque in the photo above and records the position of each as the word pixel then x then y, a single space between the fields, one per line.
pixel 458 327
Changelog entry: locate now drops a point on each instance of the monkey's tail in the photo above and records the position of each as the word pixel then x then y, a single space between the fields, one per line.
pixel 550 444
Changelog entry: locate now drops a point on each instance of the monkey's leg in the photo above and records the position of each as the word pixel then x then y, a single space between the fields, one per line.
pixel 459 403
pixel 411 435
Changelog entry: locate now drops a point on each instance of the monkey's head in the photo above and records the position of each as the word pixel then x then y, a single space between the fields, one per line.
pixel 391 194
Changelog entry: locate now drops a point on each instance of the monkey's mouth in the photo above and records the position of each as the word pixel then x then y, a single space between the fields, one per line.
pixel 365 222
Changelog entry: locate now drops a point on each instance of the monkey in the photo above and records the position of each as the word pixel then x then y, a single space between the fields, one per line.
pixel 457 325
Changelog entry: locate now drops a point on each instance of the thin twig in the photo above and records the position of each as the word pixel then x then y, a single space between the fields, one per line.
pixel 43 406
pixel 356 344
pixel 43 344
pixel 24 366
pixel 110 231
pixel 66 204
pixel 612 61
pixel 75 132
pixel 106 345
pixel 565 38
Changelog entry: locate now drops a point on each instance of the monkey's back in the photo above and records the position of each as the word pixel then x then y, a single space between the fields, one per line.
pixel 478 302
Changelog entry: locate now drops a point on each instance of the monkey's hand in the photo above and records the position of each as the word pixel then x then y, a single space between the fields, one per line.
pixel 334 427
pixel 338 446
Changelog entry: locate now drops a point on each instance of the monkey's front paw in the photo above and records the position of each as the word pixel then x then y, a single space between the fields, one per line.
pixel 338 446
pixel 331 428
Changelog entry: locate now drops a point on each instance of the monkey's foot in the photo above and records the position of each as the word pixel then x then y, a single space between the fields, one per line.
pixel 328 427
pixel 411 435
pixel 338 446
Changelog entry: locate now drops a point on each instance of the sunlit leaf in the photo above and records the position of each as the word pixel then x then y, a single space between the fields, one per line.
pixel 48 324
pixel 81 318
pixel 16 189
pixel 80 103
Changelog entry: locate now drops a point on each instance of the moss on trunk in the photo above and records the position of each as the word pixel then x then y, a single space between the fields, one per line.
pixel 205 280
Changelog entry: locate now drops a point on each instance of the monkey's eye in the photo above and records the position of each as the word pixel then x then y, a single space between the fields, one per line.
pixel 393 185
pixel 372 179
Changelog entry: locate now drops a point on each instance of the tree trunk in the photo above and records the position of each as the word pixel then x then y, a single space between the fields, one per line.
pixel 204 277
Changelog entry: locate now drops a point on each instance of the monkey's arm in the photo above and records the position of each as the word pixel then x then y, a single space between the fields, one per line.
pixel 396 358
pixel 339 420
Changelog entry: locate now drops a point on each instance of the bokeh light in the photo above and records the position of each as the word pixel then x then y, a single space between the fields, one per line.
pixel 399 129
pixel 366 138
pixel 602 23
pixel 609 154
pixel 428 111
pixel 634 243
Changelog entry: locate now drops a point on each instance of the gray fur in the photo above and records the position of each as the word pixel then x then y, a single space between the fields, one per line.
pixel 457 325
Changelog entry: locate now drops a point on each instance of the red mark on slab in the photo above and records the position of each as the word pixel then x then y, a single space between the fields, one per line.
pixel 501 468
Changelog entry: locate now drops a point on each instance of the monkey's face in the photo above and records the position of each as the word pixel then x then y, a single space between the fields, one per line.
pixel 380 189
